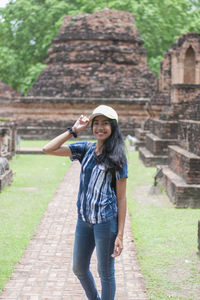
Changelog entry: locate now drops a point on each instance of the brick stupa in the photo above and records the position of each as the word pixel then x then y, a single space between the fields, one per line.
pixel 95 59
pixel 96 56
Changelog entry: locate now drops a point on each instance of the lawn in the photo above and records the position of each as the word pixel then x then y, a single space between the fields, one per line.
pixel 23 204
pixel 165 238
pixel 40 143
pixel 32 144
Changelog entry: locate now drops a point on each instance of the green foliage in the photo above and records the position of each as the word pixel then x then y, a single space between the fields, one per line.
pixel 28 27
pixel 160 23
pixel 9 66
pixel 4 119
pixel 32 73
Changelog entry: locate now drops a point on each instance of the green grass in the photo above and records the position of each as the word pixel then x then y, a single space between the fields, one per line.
pixel 165 239
pixel 32 144
pixel 40 143
pixel 23 204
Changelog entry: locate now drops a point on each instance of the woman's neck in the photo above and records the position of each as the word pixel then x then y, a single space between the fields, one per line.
pixel 98 148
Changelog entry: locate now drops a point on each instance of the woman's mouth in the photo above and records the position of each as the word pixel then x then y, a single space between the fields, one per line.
pixel 100 133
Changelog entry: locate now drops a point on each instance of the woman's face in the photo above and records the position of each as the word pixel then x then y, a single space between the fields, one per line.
pixel 101 128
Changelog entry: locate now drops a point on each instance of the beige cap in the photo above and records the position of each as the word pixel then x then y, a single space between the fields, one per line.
pixel 104 110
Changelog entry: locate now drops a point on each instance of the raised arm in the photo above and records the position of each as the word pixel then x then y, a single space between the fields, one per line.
pixel 56 147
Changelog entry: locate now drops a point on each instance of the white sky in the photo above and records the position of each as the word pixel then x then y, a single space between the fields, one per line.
pixel 3 3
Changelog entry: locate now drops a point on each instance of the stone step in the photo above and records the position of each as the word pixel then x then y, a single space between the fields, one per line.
pixel 139 144
pixel 183 195
pixel 185 164
pixel 189 131
pixel 158 146
pixel 6 179
pixel 140 134
pixel 29 151
pixel 149 159
pixel 165 129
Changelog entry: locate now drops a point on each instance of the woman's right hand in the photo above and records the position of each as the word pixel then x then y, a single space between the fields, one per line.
pixel 81 124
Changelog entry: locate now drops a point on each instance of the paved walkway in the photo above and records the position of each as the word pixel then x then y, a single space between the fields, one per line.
pixel 29 151
pixel 45 270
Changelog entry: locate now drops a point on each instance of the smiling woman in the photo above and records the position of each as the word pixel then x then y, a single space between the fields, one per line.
pixel 101 198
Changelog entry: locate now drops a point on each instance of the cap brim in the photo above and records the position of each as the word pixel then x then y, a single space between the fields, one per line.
pixel 91 117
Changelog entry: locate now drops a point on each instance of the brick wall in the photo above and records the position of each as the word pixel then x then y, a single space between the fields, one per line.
pixel 41 117
pixel 188 136
pixel 98 55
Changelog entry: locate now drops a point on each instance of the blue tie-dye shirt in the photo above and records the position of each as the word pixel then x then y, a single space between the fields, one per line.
pixel 97 201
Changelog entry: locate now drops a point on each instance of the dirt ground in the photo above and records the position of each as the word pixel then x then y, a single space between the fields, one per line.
pixel 147 194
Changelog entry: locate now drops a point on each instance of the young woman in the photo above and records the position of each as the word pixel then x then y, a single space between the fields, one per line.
pixel 101 199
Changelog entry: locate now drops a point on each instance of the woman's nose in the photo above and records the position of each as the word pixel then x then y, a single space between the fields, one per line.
pixel 100 126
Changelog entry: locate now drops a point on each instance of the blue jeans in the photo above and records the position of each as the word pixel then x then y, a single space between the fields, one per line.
pixel 87 237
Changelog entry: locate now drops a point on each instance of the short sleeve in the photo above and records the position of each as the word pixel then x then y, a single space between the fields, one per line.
pixel 123 172
pixel 78 150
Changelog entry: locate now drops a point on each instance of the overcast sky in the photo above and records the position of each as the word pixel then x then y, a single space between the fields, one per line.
pixel 3 3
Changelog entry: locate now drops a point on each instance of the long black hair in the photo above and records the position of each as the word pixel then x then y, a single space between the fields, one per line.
pixel 113 151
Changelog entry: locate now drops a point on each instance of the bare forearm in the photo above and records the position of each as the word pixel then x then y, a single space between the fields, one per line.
pixel 121 222
pixel 56 147
pixel 121 216
pixel 57 142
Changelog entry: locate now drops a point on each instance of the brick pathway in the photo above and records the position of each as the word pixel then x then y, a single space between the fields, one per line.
pixel 45 270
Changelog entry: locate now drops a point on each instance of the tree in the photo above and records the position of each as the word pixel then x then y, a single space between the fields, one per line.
pixel 160 23
pixel 27 28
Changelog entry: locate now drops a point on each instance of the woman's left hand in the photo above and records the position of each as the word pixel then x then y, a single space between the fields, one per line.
pixel 118 246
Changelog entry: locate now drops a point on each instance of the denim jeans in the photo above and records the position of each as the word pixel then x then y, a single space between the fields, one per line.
pixel 87 237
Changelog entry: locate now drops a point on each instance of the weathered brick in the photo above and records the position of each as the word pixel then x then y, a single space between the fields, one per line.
pixel 98 55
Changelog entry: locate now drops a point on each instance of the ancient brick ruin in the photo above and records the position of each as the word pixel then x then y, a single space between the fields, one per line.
pixel 182 175
pixel 174 138
pixel 7 151
pixel 7 92
pixel 7 135
pixel 8 138
pixel 6 173
pixel 172 83
pixel 99 58
pixel 95 59
pixel 96 56
pixel 8 131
